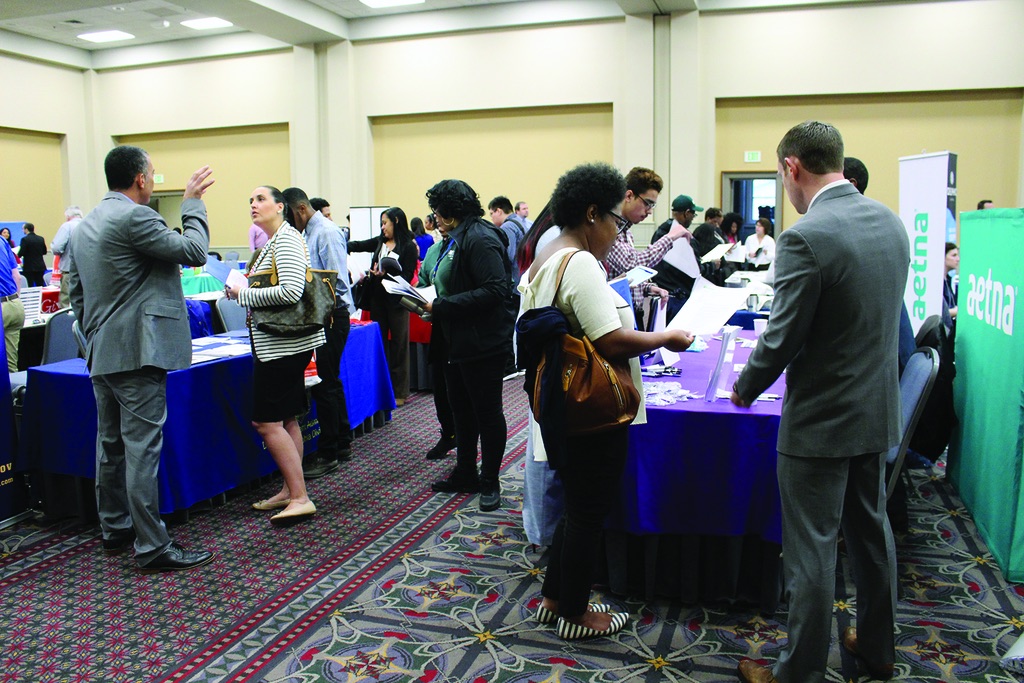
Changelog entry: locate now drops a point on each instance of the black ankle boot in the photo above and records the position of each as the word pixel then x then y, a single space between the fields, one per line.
pixel 444 446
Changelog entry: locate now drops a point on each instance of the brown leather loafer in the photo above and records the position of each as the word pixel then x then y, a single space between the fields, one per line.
pixel 882 673
pixel 752 672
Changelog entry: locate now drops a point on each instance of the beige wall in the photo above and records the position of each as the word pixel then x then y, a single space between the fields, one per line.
pixel 863 49
pixel 31 177
pixel 327 95
pixel 982 127
pixel 241 158
pixel 519 153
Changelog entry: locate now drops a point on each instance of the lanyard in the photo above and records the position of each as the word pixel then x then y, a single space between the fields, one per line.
pixel 437 264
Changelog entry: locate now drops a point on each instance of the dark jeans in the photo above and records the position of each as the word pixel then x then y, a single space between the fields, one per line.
pixel 329 394
pixel 590 480
pixel 475 394
pixel 438 363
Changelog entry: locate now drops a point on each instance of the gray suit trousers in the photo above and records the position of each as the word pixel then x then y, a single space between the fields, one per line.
pixel 819 494
pixel 132 408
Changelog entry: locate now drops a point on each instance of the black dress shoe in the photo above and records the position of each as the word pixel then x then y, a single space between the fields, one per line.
pixel 444 446
pixel 119 541
pixel 457 483
pixel 176 559
pixel 319 467
pixel 345 453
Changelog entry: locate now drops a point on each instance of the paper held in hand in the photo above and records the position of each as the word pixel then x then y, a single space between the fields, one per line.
pixel 412 298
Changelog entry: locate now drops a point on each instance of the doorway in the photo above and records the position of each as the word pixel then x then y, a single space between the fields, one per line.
pixel 752 195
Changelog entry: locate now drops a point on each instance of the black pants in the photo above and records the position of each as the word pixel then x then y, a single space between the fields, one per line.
pixel 475 394
pixel 329 394
pixel 590 480
pixel 438 362
pixel 35 278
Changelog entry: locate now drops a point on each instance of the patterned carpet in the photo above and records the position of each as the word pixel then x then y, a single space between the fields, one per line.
pixel 391 583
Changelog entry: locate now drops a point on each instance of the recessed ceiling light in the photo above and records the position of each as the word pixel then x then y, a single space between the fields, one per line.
pixel 207 23
pixel 105 36
pixel 381 4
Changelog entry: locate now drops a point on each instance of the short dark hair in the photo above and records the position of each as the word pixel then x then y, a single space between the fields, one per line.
pixel 983 202
pixel 454 199
pixel 294 196
pixel 769 227
pixel 519 204
pixel 729 219
pixel 598 185
pixel 712 213
pixel 640 180
pixel 817 145
pixel 318 203
pixel 855 170
pixel 30 227
pixel 123 164
pixel 500 202
pixel 950 246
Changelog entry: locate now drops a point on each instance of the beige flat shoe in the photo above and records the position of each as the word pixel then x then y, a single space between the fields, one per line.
pixel 301 513
pixel 265 505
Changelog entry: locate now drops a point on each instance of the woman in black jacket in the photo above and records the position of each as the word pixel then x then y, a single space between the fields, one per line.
pixel 395 242
pixel 477 323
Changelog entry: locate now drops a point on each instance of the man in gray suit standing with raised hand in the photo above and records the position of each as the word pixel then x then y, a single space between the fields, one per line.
pixel 125 291
pixel 839 280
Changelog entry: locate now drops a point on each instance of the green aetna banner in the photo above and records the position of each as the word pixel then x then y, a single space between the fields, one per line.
pixel 986 453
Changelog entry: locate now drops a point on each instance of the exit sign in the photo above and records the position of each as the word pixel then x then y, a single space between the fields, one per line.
pixel 158 178
pixel 752 157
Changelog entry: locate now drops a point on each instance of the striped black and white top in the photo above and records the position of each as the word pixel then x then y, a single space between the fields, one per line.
pixel 289 255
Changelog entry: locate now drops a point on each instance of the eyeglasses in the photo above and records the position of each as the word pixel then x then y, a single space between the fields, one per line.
pixel 621 224
pixel 649 203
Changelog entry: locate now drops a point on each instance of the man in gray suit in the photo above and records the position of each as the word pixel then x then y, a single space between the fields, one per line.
pixel 126 294
pixel 839 281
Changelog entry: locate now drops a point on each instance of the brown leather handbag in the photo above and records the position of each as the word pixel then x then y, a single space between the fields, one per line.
pixel 599 393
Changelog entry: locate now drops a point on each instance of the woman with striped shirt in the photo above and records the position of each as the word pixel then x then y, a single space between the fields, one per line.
pixel 279 363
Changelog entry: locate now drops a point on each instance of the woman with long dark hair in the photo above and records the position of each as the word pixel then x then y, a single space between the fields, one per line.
pixel 477 323
pixel 279 363
pixel 396 250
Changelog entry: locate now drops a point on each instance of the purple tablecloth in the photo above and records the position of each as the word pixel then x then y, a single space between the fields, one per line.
pixel 699 516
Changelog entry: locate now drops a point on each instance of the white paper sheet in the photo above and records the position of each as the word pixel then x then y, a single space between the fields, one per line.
pixel 660 312
pixel 708 308
pixel 682 257
pixel 738 254
pixel 717 253
pixel 396 284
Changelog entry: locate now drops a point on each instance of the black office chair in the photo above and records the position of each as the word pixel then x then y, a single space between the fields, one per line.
pixel 232 315
pixel 915 384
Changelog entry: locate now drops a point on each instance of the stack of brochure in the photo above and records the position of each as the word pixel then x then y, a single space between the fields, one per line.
pixel 410 297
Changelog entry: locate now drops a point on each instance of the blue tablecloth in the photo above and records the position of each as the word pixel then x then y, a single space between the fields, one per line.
pixel 209 444
pixel 745 319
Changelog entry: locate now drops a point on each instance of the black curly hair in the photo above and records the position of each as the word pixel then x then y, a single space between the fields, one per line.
pixel 596 184
pixel 454 199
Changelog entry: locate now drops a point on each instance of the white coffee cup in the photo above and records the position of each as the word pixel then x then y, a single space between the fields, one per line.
pixel 759 326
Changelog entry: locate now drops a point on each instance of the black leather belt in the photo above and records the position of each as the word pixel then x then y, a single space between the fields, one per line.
pixel 12 297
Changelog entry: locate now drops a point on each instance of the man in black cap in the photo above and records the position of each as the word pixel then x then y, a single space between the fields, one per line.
pixel 676 282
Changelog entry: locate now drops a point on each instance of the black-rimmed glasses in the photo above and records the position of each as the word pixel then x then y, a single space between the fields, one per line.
pixel 621 224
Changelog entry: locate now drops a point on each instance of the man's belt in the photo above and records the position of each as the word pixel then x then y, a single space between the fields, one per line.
pixel 12 297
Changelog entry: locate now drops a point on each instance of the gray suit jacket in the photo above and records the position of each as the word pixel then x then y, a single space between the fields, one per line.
pixel 125 283
pixel 839 281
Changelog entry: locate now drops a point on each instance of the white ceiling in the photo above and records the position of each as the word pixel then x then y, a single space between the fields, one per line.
pixel 48 29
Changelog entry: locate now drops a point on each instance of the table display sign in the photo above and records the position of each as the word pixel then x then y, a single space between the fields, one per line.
pixel 986 452
pixel 927 204
pixel 12 491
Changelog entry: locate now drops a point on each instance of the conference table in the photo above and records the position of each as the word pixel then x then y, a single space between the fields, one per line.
pixel 209 447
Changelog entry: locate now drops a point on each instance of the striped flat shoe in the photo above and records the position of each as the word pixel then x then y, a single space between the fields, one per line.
pixel 546 616
pixel 568 631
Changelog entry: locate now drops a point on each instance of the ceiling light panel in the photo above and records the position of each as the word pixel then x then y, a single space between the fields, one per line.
pixel 207 23
pixel 105 36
